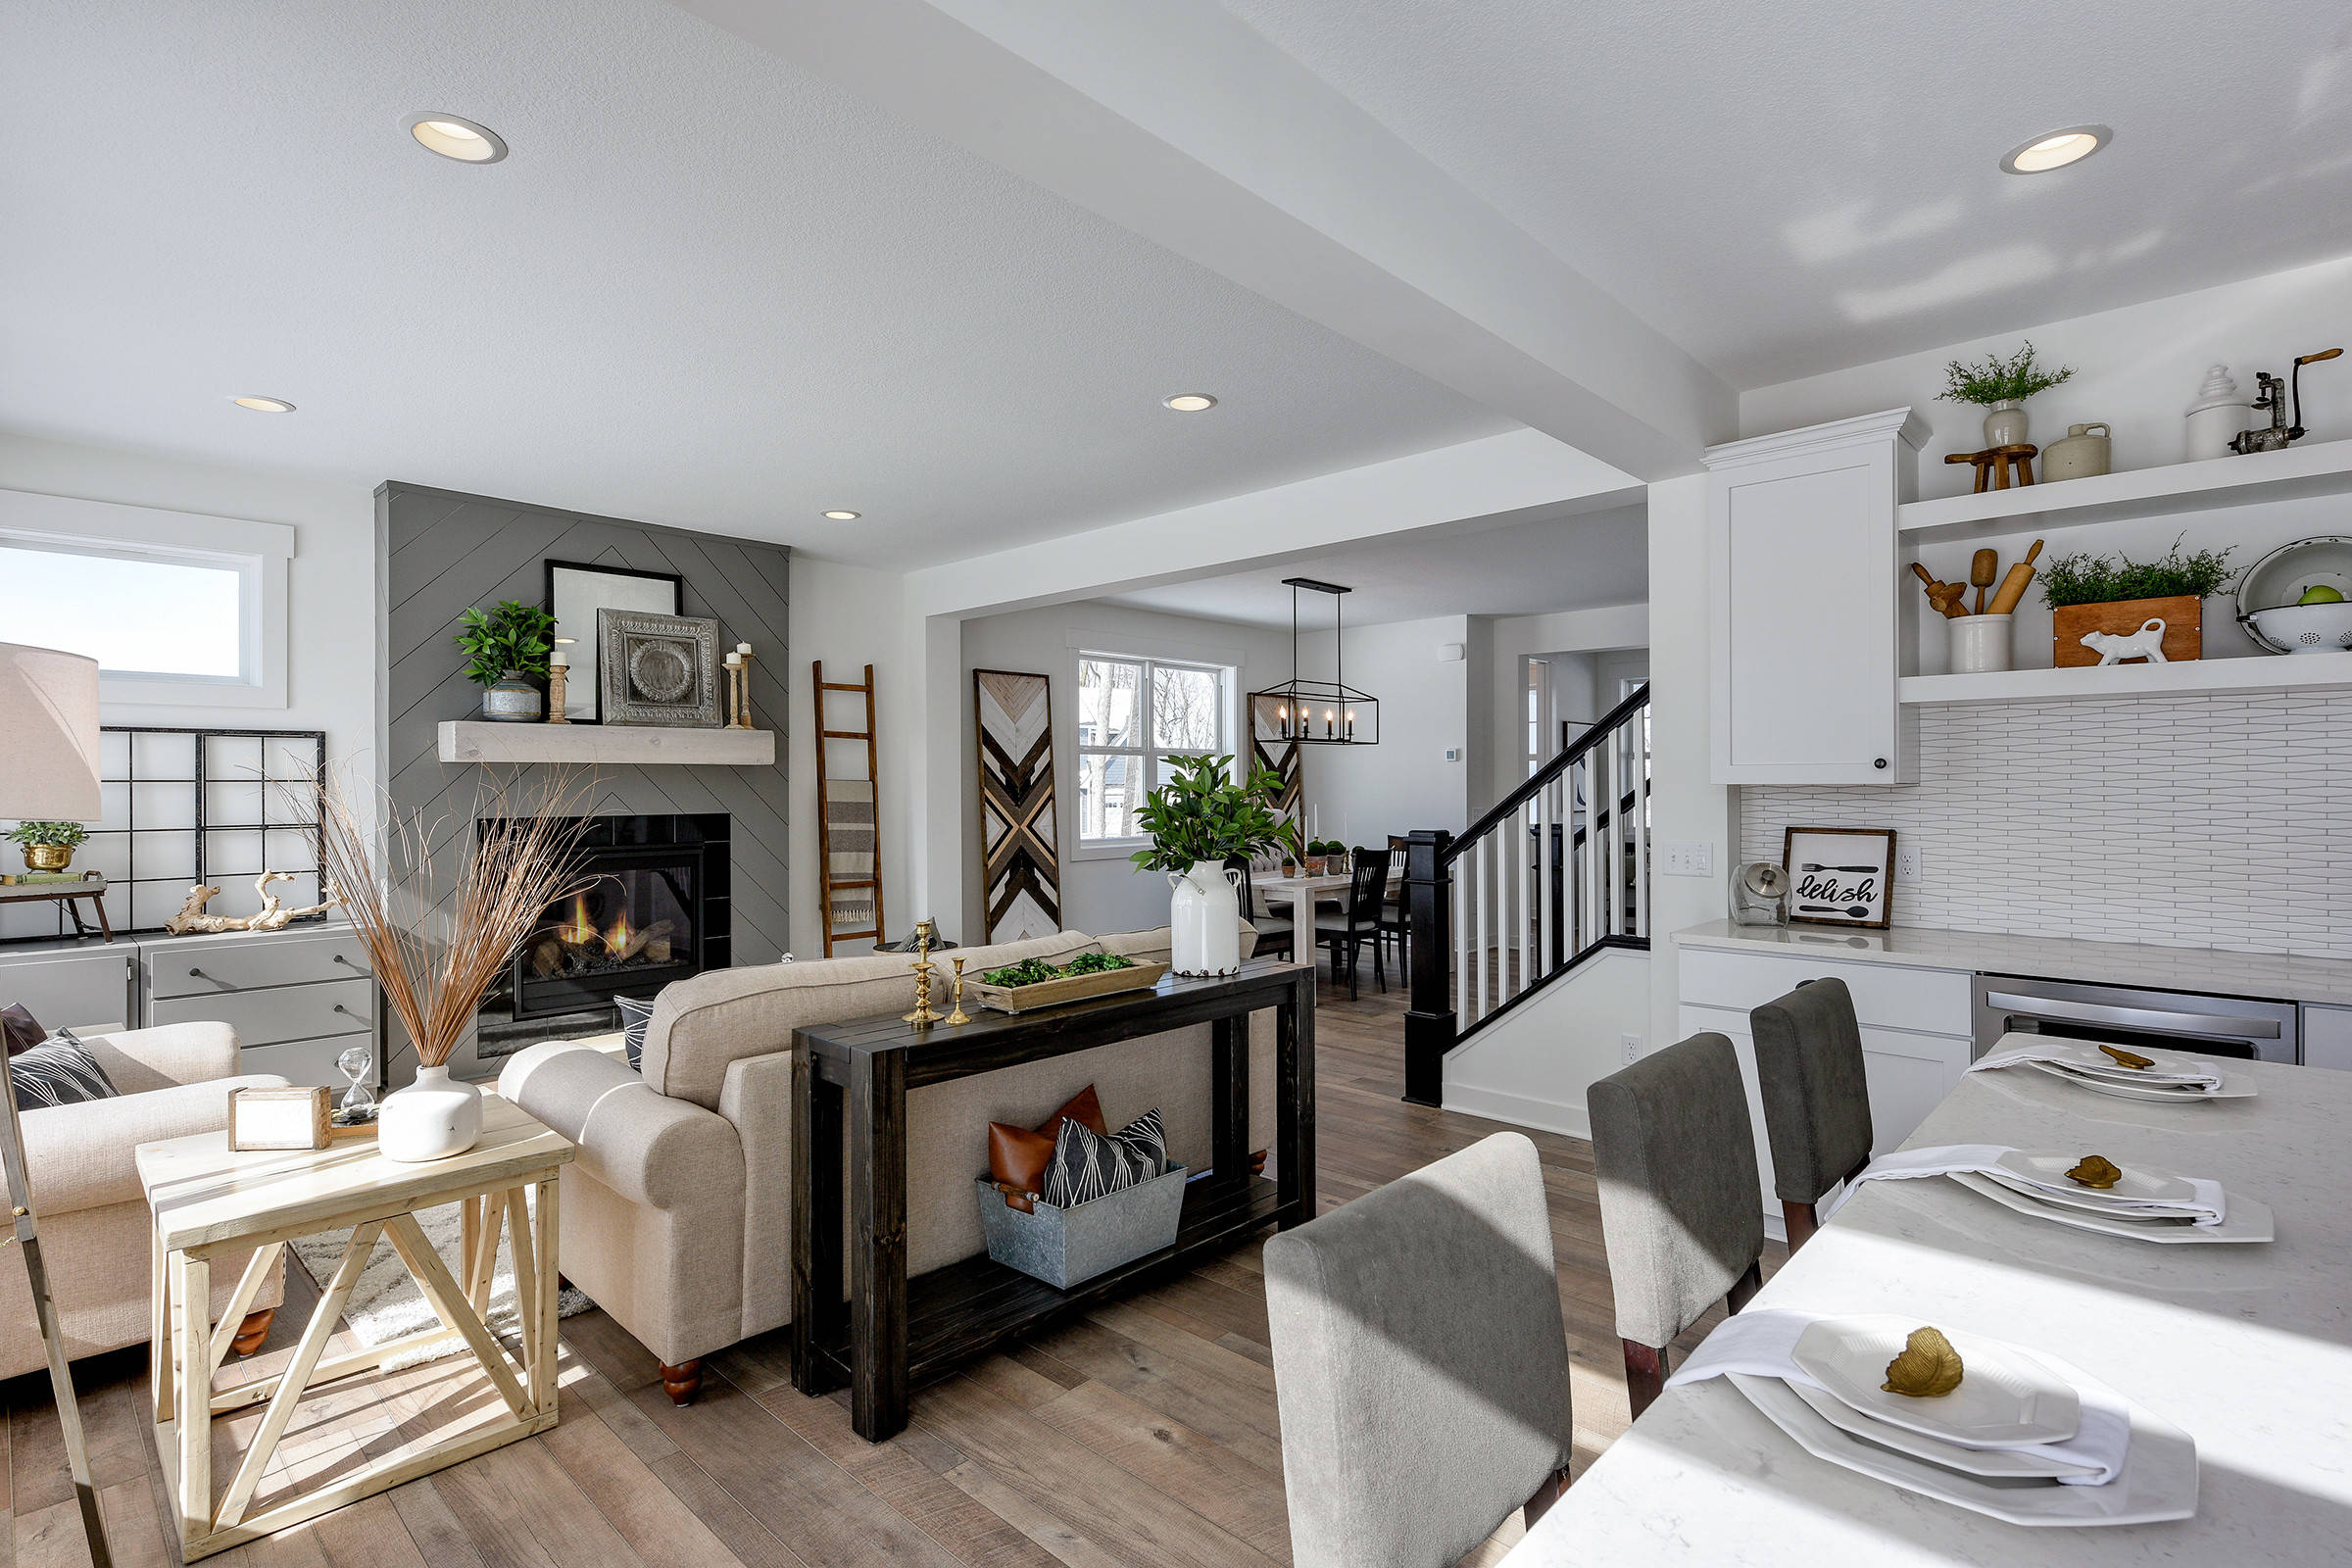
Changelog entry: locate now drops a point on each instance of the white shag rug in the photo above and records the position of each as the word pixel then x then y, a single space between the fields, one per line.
pixel 387 1303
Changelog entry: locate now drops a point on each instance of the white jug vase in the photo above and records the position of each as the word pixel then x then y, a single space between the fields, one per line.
pixel 433 1118
pixel 1204 920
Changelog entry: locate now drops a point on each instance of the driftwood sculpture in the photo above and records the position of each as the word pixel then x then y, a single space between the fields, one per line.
pixel 273 915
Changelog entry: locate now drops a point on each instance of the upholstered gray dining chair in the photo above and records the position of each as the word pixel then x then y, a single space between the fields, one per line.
pixel 1420 1363
pixel 1682 1213
pixel 1816 1098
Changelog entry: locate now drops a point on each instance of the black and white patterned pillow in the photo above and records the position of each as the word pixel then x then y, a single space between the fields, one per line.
pixel 59 1071
pixel 635 1013
pixel 1086 1165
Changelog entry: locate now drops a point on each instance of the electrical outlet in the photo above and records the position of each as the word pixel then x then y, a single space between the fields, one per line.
pixel 1686 857
pixel 1633 1048
pixel 1906 864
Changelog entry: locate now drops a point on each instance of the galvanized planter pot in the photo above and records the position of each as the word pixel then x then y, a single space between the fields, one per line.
pixel 1066 1246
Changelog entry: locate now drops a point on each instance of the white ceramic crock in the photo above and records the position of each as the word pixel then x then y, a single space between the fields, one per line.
pixel 1979 643
pixel 1204 920
pixel 433 1118
pixel 2005 423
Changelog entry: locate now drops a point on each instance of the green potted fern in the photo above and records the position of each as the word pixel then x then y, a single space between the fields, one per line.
pixel 2000 386
pixel 504 649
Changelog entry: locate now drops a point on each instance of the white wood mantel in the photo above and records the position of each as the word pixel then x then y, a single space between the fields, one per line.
pixel 628 745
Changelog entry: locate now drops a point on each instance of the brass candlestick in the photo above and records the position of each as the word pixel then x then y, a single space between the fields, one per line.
pixel 556 675
pixel 922 1017
pixel 959 1016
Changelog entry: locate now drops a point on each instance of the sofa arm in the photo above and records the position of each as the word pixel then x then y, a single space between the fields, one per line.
pixel 140 1059
pixel 81 1155
pixel 650 1148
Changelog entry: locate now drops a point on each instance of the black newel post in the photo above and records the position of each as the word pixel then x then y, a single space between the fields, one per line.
pixel 1429 912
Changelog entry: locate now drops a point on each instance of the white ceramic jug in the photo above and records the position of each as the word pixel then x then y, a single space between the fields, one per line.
pixel 433 1118
pixel 1204 920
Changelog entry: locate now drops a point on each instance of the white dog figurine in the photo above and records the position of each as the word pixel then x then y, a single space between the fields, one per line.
pixel 2147 643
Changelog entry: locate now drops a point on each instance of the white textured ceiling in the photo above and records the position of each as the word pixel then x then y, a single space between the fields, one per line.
pixel 1520 568
pixel 1787 188
pixel 705 289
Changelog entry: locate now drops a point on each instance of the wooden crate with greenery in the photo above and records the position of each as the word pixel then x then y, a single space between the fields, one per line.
pixel 2117 595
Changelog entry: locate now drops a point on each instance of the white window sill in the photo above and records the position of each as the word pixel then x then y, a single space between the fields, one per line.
pixel 1108 848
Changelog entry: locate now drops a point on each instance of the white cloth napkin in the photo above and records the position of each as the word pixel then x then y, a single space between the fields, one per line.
pixel 2206 1201
pixel 2069 1054
pixel 1763 1344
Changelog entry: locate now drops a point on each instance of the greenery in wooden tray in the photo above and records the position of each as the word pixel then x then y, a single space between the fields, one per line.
pixel 1037 971
pixel 2083 578
pixel 66 834
pixel 1999 380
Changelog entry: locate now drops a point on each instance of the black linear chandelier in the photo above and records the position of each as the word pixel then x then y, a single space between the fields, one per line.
pixel 1319 712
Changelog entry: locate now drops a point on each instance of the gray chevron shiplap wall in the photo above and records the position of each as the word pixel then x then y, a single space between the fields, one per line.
pixel 442 551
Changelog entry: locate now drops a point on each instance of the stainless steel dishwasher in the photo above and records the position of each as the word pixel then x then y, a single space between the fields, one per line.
pixel 2242 1027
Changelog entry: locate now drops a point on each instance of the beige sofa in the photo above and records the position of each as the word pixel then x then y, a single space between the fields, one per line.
pixel 95 1230
pixel 677 1214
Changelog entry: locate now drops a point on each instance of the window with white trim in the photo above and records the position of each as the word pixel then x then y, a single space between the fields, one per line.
pixel 1134 714
pixel 153 613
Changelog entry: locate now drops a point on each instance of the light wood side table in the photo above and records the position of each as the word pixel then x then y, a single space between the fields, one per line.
pixel 208 1200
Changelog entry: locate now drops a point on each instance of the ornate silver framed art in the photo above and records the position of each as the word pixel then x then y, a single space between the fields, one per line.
pixel 658 669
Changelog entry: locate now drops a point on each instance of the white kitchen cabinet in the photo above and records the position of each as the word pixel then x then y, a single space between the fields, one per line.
pixel 1804 611
pixel 2328 1037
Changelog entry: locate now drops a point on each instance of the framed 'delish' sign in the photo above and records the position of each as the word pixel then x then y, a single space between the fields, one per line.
pixel 1839 875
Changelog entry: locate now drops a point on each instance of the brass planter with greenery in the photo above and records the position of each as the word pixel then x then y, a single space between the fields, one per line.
pixel 48 846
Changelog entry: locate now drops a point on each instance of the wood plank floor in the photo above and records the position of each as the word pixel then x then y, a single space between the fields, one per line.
pixel 1140 1435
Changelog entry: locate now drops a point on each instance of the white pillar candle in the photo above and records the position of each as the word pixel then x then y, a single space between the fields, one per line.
pixel 745 648
pixel 734 661
pixel 558 660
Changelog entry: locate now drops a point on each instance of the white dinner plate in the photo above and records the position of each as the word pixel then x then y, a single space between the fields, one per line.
pixel 2003 1399
pixel 2247 1221
pixel 2087 1057
pixel 2046 1175
pixel 2159 1478
pixel 2091 1202
pixel 2234 1086
pixel 2008 1463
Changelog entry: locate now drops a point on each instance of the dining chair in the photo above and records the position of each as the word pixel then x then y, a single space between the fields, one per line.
pixel 1358 924
pixel 1682 1213
pixel 1275 933
pixel 1816 1097
pixel 1420 1363
pixel 1393 911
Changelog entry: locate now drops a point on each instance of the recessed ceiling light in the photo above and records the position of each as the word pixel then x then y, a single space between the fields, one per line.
pixel 1191 402
pixel 455 137
pixel 843 516
pixel 2056 150
pixel 260 405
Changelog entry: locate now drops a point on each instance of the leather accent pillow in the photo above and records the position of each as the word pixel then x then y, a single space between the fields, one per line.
pixel 1017 1157
pixel 1087 1165
pixel 23 1031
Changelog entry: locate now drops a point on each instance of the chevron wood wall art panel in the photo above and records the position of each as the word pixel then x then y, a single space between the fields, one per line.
pixel 1271 750
pixel 1020 860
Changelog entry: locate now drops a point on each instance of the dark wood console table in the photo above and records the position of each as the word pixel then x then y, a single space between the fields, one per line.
pixel 850 1079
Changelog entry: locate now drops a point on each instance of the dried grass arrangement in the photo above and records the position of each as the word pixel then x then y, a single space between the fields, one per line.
pixel 434 965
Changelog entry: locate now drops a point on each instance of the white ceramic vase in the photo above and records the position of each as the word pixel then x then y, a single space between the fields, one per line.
pixel 1204 920
pixel 2005 423
pixel 433 1118
pixel 1979 643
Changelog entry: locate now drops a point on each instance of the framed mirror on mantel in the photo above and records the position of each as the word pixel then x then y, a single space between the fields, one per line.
pixel 575 591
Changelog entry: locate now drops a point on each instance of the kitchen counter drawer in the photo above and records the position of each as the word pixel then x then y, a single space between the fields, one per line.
pixel 279 1013
pixel 1929 1001
pixel 225 967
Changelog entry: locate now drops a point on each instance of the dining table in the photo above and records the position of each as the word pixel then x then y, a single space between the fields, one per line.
pixel 1299 893
pixel 2246 1347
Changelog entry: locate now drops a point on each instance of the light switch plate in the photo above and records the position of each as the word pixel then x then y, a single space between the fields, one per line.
pixel 1686 857
pixel 1453 754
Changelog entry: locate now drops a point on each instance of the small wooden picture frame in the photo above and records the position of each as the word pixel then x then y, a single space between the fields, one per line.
pixel 279 1118
pixel 1839 875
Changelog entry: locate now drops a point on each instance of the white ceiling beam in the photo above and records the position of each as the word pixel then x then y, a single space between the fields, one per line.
pixel 1180 124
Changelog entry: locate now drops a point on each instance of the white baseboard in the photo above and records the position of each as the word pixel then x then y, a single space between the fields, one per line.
pixel 1520 1111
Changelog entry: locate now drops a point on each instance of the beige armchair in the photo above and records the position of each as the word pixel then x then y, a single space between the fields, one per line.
pixel 95 1228
pixel 677 1213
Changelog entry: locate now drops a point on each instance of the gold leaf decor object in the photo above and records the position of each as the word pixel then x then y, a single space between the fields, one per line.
pixel 2129 1058
pixel 2097 1170
pixel 1928 1370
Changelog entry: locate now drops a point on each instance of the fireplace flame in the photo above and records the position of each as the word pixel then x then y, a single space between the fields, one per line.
pixel 617 940
pixel 579 932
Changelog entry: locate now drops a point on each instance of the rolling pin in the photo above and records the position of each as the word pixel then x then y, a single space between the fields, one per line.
pixel 1982 572
pixel 1944 596
pixel 2013 586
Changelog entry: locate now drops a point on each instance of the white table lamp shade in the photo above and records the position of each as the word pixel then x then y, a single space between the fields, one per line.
pixel 48 735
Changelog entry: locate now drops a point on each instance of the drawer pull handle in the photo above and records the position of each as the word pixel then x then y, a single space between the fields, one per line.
pixel 195 974
pixel 339 958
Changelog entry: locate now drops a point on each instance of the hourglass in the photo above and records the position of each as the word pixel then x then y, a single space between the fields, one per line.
pixel 359 1101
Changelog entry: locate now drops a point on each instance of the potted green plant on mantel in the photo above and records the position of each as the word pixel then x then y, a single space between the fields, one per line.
pixel 48 846
pixel 504 649
pixel 2093 598
pixel 1198 821
pixel 2000 386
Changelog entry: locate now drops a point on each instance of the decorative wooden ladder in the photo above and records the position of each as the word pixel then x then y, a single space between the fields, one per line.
pixel 849 827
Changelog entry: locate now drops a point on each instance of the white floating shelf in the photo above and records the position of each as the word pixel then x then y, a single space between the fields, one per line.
pixel 2314 469
pixel 2267 673
pixel 621 745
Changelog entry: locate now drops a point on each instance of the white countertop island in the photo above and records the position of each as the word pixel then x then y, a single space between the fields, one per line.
pixel 2248 1347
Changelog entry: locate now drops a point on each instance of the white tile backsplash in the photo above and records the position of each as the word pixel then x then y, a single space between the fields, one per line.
pixel 2220 822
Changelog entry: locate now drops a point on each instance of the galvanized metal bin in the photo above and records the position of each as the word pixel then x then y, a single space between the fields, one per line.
pixel 1066 1246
